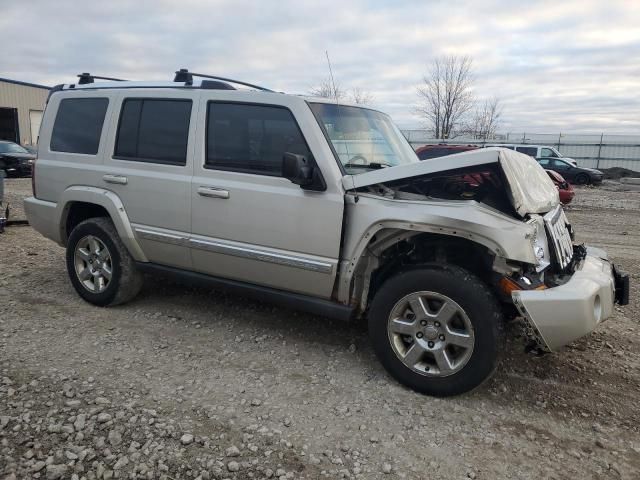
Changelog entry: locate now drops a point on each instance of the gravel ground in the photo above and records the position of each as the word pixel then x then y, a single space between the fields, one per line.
pixel 196 384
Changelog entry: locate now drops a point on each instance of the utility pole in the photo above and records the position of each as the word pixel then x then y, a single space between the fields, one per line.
pixel 599 151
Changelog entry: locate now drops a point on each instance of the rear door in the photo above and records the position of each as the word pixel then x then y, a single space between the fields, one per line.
pixel 248 222
pixel 149 165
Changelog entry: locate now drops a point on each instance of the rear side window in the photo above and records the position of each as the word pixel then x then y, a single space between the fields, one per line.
pixel 78 125
pixel 154 130
pixel 251 138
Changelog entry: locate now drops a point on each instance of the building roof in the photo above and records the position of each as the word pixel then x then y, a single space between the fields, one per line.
pixel 26 84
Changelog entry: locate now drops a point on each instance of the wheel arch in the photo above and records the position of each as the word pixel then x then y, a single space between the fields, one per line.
pixel 79 203
pixel 385 253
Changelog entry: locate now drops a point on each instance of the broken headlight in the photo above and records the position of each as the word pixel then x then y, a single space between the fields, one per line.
pixel 539 243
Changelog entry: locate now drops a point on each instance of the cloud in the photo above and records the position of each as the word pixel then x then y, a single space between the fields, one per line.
pixel 570 65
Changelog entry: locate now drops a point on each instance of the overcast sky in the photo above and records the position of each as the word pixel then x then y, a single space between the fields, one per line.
pixel 569 65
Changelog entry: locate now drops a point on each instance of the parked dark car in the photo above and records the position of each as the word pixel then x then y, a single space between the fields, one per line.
pixel 433 151
pixel 565 190
pixel 572 173
pixel 31 148
pixel 15 161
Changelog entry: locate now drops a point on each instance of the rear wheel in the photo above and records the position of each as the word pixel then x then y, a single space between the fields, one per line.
pixel 99 265
pixel 437 330
pixel 582 179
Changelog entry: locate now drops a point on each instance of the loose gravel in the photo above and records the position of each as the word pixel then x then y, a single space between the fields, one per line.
pixel 197 384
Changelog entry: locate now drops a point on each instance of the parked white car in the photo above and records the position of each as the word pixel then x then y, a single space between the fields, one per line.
pixel 536 151
pixel 318 206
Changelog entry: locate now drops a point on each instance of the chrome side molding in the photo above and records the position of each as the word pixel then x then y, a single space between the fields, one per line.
pixel 223 248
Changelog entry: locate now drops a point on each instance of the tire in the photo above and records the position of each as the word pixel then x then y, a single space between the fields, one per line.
pixel 477 323
pixel 125 280
pixel 582 179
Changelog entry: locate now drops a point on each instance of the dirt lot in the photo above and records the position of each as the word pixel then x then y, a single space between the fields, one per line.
pixel 191 383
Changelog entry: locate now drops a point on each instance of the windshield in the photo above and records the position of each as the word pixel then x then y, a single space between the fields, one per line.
pixel 363 139
pixel 11 148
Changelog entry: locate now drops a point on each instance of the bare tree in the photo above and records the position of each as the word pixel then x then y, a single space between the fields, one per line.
pixel 360 96
pixel 485 119
pixel 445 95
pixel 327 89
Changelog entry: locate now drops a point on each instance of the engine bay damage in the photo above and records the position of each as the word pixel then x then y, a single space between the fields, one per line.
pixel 484 184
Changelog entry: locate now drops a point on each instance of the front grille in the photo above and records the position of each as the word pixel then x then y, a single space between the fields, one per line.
pixel 559 237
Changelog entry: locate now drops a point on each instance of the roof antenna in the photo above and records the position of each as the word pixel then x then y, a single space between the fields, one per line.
pixel 335 96
pixel 333 84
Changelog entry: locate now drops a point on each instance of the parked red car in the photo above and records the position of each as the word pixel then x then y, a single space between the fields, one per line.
pixel 433 151
pixel 564 188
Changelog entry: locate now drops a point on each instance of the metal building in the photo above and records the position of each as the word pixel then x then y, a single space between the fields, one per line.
pixel 21 107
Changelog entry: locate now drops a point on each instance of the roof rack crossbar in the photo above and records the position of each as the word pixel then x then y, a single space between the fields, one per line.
pixel 184 75
pixel 88 78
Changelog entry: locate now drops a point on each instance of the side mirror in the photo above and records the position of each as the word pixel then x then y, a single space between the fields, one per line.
pixel 297 169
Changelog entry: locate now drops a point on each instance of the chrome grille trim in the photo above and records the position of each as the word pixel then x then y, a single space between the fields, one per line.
pixel 559 237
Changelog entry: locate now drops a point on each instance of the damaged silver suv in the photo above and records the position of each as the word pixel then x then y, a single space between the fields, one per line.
pixel 319 206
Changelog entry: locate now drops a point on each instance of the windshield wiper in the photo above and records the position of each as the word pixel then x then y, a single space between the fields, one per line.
pixel 368 166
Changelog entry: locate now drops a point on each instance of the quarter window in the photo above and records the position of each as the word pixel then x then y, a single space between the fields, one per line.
pixel 78 125
pixel 154 130
pixel 251 138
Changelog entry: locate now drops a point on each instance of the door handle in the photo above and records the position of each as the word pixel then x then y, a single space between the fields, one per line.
pixel 213 192
pixel 118 179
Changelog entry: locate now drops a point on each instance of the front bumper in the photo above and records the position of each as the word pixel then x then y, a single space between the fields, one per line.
pixel 559 315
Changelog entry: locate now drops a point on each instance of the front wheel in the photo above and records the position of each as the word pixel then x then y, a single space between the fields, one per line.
pixel 437 330
pixel 582 179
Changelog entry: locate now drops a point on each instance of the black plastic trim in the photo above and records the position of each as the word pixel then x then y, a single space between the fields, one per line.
pixel 295 301
pixel 56 88
pixel 621 286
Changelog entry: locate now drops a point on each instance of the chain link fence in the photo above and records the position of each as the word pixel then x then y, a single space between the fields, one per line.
pixel 595 151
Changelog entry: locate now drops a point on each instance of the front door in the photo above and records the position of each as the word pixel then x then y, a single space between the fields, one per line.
pixel 249 223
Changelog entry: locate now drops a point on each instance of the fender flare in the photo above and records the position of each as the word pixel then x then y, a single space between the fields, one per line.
pixel 389 233
pixel 114 207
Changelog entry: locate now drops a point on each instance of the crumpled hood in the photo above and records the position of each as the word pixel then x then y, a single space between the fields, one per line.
pixel 530 188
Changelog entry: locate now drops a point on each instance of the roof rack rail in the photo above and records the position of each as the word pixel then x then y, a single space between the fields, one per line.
pixel 184 75
pixel 88 78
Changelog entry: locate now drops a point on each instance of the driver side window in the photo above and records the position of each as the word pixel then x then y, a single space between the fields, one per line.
pixel 251 138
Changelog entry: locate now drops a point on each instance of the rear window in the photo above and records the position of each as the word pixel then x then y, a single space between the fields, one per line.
pixel 154 130
pixel 78 125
